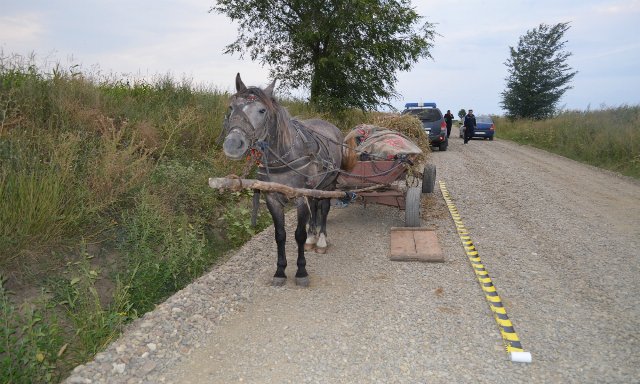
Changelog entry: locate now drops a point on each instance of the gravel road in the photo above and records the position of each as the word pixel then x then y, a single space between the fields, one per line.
pixel 560 241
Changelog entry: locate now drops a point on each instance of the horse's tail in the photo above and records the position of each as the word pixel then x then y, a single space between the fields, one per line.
pixel 349 155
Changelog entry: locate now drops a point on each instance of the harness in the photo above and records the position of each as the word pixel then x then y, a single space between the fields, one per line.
pixel 315 150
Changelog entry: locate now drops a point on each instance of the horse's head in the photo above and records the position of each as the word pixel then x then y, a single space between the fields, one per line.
pixel 249 118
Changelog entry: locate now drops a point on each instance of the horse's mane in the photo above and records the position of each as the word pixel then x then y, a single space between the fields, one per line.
pixel 275 111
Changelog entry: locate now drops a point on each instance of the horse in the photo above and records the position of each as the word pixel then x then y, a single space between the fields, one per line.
pixel 298 153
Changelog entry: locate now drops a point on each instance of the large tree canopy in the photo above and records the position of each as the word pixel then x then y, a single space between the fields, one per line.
pixel 538 73
pixel 345 52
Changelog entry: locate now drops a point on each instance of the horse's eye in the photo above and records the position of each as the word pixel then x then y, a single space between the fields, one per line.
pixel 263 111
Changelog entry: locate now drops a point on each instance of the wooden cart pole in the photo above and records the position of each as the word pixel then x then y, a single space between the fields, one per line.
pixel 237 184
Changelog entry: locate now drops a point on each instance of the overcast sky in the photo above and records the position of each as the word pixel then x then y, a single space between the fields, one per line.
pixel 141 38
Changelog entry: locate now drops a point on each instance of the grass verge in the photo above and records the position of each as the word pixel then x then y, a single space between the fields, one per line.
pixel 607 138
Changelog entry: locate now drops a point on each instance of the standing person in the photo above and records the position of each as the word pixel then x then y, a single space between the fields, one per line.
pixel 448 118
pixel 469 126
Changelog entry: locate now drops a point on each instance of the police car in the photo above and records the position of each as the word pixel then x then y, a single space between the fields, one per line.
pixel 432 122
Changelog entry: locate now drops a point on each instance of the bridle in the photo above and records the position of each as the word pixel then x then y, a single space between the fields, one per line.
pixel 237 120
pixel 261 153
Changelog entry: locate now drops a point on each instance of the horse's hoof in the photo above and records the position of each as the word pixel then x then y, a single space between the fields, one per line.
pixel 279 281
pixel 302 281
pixel 309 246
pixel 322 250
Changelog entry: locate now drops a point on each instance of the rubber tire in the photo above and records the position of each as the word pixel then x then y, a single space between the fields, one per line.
pixel 412 207
pixel 491 138
pixel 443 146
pixel 429 178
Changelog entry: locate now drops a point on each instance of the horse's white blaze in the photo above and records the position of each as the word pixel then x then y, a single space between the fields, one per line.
pixel 322 241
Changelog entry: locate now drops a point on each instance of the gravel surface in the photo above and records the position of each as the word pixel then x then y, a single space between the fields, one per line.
pixel 558 238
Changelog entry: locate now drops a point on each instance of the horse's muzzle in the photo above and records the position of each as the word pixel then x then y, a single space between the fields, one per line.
pixel 235 145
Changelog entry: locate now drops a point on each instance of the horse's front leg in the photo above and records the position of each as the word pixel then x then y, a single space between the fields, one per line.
pixel 321 245
pixel 302 277
pixel 277 214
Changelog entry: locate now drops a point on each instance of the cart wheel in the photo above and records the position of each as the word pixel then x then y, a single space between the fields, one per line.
pixel 429 178
pixel 412 207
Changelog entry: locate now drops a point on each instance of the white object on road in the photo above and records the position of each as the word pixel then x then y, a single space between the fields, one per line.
pixel 521 357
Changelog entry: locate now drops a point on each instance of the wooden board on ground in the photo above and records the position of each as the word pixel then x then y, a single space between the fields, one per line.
pixel 415 244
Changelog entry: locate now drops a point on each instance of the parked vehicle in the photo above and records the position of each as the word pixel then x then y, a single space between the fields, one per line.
pixel 432 122
pixel 485 127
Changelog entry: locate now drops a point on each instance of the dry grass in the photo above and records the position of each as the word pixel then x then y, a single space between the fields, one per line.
pixel 408 126
pixel 121 164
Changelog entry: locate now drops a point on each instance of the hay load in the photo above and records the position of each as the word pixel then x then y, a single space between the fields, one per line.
pixel 389 136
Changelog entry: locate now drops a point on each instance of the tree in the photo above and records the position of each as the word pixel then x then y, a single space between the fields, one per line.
pixel 538 73
pixel 345 52
pixel 462 113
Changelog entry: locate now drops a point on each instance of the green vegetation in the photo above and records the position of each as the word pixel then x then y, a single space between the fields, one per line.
pixel 607 138
pixel 106 210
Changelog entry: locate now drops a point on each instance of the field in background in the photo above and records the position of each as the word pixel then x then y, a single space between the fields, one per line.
pixel 607 138
pixel 106 211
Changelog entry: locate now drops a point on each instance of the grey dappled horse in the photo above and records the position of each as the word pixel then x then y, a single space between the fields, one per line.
pixel 297 153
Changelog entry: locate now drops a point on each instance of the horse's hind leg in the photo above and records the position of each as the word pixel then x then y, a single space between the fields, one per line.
pixel 321 245
pixel 302 277
pixel 312 234
pixel 277 214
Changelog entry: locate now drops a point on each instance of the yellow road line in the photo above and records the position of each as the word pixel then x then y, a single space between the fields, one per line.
pixel 509 337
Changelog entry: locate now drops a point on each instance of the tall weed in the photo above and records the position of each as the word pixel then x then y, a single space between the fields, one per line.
pixel 236 219
pixel 161 253
pixel 119 164
pixel 95 324
pixel 41 201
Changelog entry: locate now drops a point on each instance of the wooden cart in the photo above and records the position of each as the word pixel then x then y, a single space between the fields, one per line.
pixel 397 187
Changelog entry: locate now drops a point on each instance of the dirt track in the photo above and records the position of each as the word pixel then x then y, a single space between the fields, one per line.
pixel 558 238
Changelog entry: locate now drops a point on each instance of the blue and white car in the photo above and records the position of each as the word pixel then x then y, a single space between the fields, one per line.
pixel 432 122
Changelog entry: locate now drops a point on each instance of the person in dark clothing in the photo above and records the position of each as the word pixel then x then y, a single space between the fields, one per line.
pixel 448 119
pixel 469 126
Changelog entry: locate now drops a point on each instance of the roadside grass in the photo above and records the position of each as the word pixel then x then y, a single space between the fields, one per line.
pixel 607 138
pixel 105 208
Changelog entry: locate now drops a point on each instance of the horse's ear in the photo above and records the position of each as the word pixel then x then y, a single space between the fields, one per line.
pixel 240 87
pixel 269 89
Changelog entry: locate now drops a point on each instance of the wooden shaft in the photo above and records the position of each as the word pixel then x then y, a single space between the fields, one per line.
pixel 237 184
